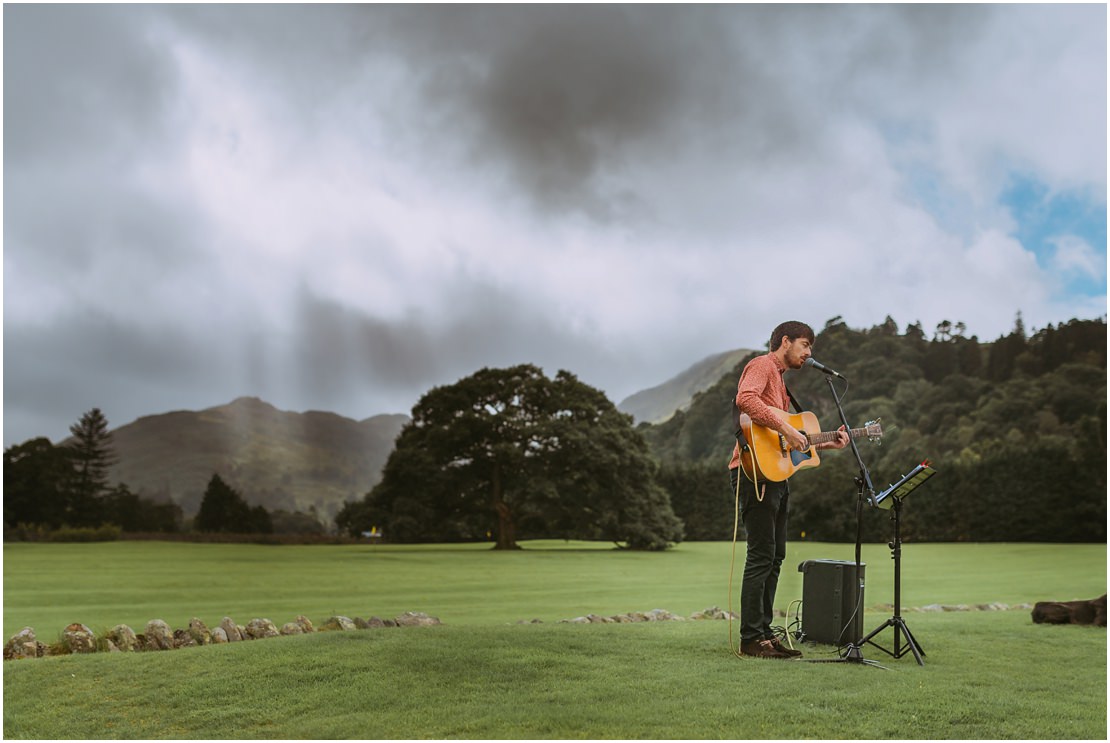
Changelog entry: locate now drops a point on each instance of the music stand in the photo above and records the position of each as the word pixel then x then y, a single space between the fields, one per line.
pixel 891 498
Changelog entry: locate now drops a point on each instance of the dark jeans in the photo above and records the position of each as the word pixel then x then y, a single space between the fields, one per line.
pixel 765 523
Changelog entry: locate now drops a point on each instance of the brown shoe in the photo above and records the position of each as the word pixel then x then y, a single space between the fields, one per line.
pixel 791 652
pixel 761 649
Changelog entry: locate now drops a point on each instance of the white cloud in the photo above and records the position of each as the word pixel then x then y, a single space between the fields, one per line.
pixel 339 206
pixel 1075 258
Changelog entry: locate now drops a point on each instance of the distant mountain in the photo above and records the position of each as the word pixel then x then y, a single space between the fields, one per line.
pixel 273 458
pixel 659 403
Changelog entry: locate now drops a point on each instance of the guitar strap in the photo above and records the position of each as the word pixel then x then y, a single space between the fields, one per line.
pixel 739 433
pixel 793 400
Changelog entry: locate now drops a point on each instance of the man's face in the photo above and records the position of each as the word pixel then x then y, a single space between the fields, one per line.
pixel 797 351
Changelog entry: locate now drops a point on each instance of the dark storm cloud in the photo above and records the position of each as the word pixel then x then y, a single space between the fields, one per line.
pixel 81 80
pixel 568 98
pixel 55 372
pixel 342 351
pixel 88 97
pixel 561 98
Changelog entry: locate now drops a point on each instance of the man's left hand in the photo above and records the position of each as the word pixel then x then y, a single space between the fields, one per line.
pixel 841 439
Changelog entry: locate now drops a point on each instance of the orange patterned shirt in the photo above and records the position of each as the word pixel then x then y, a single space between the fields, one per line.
pixel 760 388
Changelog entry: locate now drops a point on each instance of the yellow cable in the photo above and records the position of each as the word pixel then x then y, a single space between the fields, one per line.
pixel 735 533
pixel 732 563
pixel 797 619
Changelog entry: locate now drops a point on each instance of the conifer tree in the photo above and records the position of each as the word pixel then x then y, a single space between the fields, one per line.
pixel 93 456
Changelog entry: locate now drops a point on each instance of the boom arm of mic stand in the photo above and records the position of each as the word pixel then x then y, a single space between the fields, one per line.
pixel 864 475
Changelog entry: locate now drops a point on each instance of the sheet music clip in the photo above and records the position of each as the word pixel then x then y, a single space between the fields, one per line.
pixel 899 490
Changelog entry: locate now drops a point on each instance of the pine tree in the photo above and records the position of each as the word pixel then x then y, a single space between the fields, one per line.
pixel 223 510
pixel 93 456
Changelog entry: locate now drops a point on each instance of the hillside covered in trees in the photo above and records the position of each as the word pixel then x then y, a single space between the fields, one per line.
pixel 1015 429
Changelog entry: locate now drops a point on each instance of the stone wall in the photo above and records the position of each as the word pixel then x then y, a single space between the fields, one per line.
pixel 157 635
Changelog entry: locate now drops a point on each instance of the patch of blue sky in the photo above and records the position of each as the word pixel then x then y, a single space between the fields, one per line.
pixel 1066 230
pixel 951 209
pixel 910 148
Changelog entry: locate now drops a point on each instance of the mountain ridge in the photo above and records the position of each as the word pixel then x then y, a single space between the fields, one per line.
pixel 311 462
pixel 657 404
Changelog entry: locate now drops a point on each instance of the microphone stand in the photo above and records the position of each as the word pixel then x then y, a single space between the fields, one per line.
pixel 854 651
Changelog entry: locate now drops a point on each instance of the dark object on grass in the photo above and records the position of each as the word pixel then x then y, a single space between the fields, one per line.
pixel 1071 612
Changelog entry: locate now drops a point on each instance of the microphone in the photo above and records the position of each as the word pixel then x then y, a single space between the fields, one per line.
pixel 822 368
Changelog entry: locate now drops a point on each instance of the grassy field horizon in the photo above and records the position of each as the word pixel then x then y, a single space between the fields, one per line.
pixel 48 586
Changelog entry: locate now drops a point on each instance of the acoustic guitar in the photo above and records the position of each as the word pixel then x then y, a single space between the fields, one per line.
pixel 768 454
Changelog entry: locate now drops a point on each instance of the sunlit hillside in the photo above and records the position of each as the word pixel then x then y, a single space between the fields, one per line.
pixel 274 458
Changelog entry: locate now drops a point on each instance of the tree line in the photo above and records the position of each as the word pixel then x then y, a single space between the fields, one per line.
pixel 1015 428
pixel 49 487
pixel 64 489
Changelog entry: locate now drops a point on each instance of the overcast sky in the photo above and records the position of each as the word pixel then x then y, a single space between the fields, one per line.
pixel 339 207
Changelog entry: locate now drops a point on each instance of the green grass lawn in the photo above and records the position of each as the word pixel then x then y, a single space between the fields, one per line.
pixel 48 586
pixel 987 674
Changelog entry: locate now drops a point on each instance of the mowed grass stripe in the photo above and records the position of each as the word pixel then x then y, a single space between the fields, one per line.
pixel 48 586
pixel 989 675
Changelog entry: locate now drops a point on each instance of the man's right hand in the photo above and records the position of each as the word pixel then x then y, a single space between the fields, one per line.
pixel 795 438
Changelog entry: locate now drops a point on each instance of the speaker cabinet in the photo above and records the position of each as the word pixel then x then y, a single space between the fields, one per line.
pixel 828 602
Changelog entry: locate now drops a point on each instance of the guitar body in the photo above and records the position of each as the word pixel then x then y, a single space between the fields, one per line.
pixel 768 455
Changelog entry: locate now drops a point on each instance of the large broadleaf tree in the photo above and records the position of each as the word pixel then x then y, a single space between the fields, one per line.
pixel 510 454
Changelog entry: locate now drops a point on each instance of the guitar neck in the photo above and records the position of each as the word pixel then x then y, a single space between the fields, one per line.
pixel 826 436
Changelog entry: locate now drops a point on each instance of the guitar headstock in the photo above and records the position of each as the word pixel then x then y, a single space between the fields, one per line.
pixel 874 431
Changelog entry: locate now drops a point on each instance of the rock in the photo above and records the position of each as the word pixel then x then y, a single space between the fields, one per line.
pixel 338 623
pixel 219 636
pixel 260 629
pixel 198 630
pixel 291 628
pixel 993 606
pixel 77 638
pixel 22 644
pixel 595 619
pixel 713 612
pixel 304 623
pixel 123 637
pixel 182 639
pixel 231 630
pixel 416 619
pixel 158 636
pixel 375 623
pixel 662 615
pixel 361 623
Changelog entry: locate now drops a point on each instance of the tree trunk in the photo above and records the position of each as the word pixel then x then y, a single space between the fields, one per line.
pixel 506 527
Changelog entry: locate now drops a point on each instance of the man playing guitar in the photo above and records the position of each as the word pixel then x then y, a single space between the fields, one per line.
pixel 764 507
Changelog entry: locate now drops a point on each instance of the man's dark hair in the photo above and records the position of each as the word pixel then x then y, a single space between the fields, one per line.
pixel 792 330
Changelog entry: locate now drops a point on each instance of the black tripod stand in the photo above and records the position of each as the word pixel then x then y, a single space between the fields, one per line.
pixel 892 498
pixel 853 652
